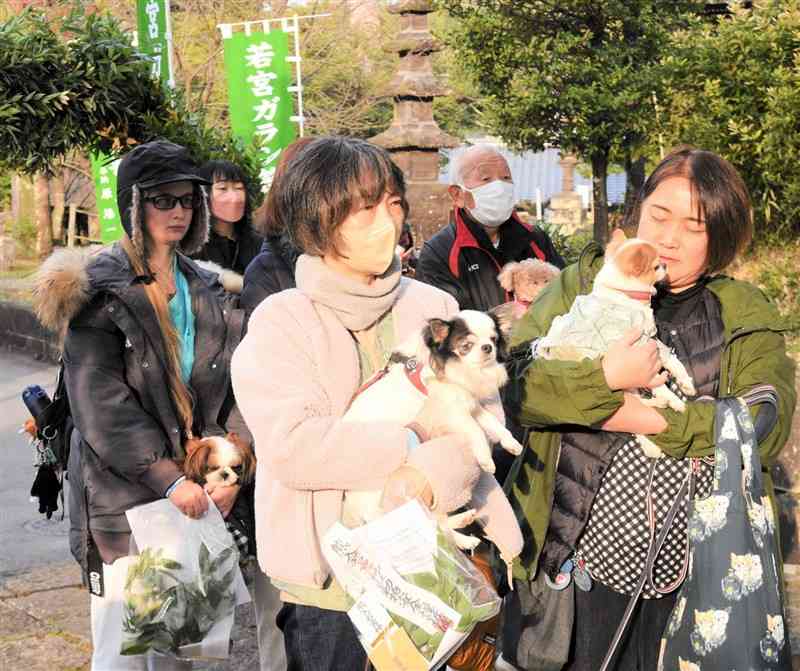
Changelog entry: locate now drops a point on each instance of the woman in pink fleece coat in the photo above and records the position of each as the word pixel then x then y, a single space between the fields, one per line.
pixel 306 353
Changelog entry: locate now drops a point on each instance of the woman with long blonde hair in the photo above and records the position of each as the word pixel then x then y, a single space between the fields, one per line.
pixel 148 339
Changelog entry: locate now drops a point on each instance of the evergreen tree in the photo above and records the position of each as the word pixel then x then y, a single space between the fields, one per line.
pixel 578 74
pixel 733 87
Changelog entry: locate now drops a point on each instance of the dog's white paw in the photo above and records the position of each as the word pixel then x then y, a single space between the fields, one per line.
pixel 677 404
pixel 465 542
pixel 450 523
pixel 687 386
pixel 649 448
pixel 664 397
pixel 511 444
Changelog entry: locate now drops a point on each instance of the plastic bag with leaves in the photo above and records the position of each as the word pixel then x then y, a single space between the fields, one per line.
pixel 183 585
pixel 415 595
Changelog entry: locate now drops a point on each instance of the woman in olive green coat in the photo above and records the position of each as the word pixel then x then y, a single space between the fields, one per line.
pixel 580 490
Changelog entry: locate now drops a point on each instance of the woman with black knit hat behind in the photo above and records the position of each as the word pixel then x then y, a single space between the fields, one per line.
pixel 146 359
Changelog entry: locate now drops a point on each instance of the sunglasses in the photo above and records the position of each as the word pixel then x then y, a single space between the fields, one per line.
pixel 165 201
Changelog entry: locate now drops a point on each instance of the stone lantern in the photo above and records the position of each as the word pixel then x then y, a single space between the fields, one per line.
pixel 566 207
pixel 414 138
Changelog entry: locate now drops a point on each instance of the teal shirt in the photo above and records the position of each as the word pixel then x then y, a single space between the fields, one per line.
pixel 180 312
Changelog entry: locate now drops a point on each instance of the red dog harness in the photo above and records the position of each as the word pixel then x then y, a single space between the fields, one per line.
pixel 412 370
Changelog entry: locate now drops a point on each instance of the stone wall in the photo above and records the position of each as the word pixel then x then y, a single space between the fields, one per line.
pixel 19 329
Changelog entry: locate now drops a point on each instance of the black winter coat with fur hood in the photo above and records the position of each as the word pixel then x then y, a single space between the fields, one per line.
pixel 127 433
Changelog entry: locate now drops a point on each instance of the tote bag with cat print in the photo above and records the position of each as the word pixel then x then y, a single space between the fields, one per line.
pixel 729 613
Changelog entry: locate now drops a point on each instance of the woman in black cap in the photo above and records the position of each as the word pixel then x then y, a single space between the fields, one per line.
pixel 146 357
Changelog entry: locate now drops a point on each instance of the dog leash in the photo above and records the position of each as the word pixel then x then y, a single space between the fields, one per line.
pixel 653 550
pixel 765 421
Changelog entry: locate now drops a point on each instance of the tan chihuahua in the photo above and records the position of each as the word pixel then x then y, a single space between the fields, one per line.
pixel 619 301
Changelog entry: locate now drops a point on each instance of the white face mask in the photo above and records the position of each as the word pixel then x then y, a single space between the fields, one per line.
pixel 494 202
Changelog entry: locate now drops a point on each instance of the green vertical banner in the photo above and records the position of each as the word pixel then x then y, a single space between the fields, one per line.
pixel 154 38
pixel 259 99
pixel 105 189
pixel 154 42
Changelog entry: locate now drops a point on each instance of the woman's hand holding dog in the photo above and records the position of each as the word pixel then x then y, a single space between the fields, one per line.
pixel 403 485
pixel 190 499
pixel 224 498
pixel 628 365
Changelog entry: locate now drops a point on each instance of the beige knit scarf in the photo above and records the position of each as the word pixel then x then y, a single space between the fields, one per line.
pixel 357 305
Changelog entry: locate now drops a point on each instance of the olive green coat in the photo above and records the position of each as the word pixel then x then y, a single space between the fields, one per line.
pixel 558 392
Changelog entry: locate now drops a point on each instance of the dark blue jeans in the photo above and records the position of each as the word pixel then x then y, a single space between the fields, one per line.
pixel 319 640
pixel 598 613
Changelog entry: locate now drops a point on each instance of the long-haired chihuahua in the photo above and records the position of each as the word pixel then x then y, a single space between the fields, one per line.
pixel 444 379
pixel 441 379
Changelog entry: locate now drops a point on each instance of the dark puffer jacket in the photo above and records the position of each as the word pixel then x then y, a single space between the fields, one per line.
pixel 127 433
pixel 697 338
pixel 461 260
pixel 559 395
pixel 270 272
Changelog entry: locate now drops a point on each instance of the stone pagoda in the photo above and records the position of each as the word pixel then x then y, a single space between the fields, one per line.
pixel 414 138
pixel 566 207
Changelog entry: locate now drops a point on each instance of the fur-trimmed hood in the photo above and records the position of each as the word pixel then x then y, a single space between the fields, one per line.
pixel 70 278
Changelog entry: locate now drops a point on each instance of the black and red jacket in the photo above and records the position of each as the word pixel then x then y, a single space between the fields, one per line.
pixel 462 260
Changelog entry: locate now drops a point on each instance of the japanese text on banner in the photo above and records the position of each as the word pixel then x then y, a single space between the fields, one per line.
pixel 152 31
pixel 260 103
pixel 105 189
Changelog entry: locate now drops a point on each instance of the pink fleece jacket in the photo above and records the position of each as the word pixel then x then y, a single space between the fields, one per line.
pixel 294 375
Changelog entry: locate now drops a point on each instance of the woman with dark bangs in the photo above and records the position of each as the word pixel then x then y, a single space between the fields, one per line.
pixel 587 492
pixel 307 351
pixel 232 243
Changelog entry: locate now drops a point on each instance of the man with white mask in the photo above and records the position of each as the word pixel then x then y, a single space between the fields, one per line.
pixel 464 257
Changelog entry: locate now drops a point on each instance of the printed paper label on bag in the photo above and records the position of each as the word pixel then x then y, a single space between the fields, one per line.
pixel 369 618
pixel 349 576
pixel 359 570
pixel 405 538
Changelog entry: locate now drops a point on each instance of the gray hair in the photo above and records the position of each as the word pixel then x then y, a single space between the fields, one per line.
pixel 457 158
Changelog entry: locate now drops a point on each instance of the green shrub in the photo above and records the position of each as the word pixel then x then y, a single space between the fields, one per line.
pixel 733 87
pixel 780 281
pixel 92 92
pixel 569 246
